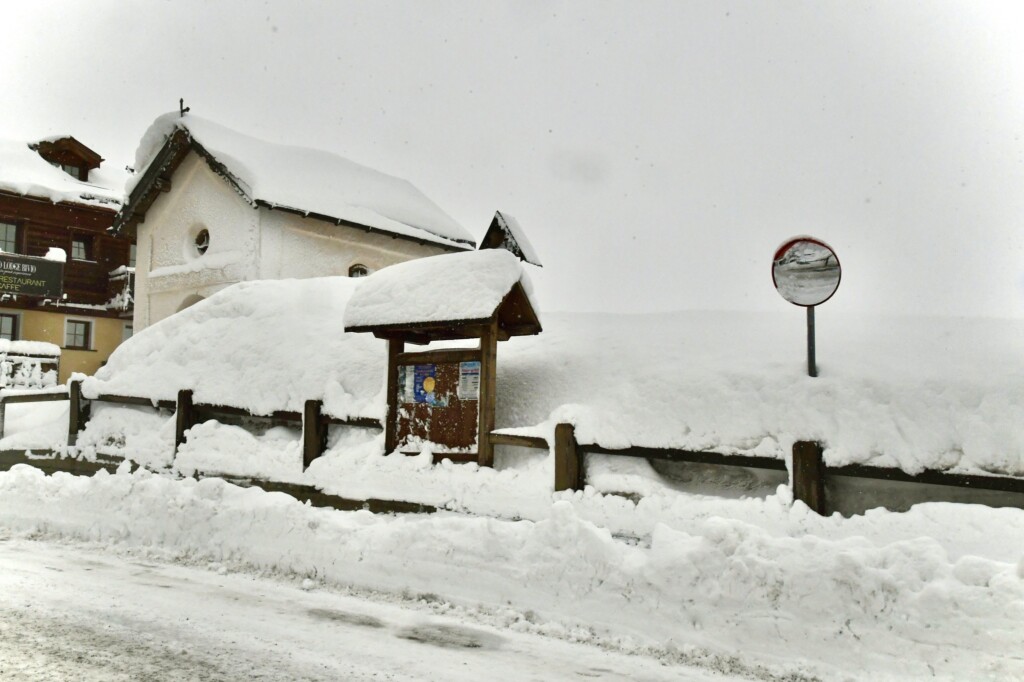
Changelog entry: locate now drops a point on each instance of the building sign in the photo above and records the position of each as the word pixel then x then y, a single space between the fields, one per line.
pixel 29 276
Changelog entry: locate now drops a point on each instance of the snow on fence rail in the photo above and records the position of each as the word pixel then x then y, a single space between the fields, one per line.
pixel 808 470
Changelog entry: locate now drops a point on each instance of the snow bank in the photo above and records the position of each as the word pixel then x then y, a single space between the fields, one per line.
pixel 256 346
pixel 913 393
pixel 23 171
pixel 878 595
pixel 309 180
pixel 459 286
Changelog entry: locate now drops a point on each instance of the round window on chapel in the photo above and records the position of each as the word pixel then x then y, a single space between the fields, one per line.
pixel 202 241
pixel 358 271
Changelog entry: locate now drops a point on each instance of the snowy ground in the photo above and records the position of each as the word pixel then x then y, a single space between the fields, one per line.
pixel 760 589
pixel 67 612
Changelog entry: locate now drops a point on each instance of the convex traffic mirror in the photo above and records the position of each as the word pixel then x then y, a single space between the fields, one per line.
pixel 806 271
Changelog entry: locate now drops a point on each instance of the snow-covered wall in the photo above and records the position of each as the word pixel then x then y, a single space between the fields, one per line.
pixel 245 244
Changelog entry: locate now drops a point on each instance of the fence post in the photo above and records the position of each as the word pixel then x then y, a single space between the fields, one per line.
pixel 3 415
pixel 568 459
pixel 809 475
pixel 314 432
pixel 184 417
pixel 76 411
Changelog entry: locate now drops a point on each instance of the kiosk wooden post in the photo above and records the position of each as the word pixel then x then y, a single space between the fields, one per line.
pixel 487 404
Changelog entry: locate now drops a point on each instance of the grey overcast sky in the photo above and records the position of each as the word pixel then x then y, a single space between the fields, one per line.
pixel 655 153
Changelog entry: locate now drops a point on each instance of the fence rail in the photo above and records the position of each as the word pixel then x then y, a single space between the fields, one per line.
pixel 188 413
pixel 808 469
pixel 6 400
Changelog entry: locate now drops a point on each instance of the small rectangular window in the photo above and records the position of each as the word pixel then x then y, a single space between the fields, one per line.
pixel 81 248
pixel 77 334
pixel 127 333
pixel 8 237
pixel 9 327
pixel 131 256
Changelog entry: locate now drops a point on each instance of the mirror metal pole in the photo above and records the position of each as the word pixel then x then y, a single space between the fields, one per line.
pixel 812 366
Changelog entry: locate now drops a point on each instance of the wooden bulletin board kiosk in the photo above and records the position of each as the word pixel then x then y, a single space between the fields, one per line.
pixel 444 396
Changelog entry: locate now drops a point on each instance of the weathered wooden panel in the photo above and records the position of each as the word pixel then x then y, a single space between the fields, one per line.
pixel 449 422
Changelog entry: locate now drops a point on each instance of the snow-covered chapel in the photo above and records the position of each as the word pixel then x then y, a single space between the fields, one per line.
pixel 210 207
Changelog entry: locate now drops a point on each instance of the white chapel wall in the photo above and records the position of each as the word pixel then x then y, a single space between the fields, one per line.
pixel 169 269
pixel 296 247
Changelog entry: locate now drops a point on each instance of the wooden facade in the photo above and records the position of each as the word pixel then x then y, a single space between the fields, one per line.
pixel 43 224
pixel 94 312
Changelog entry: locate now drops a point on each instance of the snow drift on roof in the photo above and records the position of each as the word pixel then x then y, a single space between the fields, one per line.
pixel 456 286
pixel 909 392
pixel 310 181
pixel 23 171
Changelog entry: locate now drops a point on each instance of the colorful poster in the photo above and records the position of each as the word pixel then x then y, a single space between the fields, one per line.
pixel 469 380
pixel 424 382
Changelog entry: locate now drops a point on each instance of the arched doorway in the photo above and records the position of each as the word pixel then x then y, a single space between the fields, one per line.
pixel 189 301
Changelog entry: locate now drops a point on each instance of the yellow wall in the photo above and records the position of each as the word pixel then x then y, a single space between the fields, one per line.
pixel 107 333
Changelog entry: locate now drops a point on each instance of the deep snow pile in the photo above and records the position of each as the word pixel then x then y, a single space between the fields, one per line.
pixel 937 592
pixel 308 180
pixel 255 345
pixel 23 171
pixel 909 392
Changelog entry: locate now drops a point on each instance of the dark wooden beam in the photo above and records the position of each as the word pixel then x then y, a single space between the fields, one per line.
pixel 184 417
pixel 77 414
pixel 931 477
pixel 809 475
pixel 519 441
pixel 674 455
pixel 488 390
pixel 569 473
pixel 357 422
pixel 395 348
pixel 314 432
pixel 439 356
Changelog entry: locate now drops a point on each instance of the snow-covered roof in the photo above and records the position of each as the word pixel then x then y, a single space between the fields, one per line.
pixel 310 181
pixel 506 233
pixel 451 287
pixel 23 171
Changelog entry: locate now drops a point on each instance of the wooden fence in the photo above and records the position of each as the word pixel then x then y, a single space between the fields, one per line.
pixel 6 400
pixel 809 472
pixel 188 413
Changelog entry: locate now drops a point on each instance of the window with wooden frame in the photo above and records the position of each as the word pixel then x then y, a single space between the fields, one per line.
pixel 81 247
pixel 78 334
pixel 358 270
pixel 9 327
pixel 8 237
